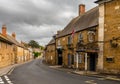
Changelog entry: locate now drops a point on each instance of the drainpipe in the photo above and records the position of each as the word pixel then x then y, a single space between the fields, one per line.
pixel 54 37
pixel 86 63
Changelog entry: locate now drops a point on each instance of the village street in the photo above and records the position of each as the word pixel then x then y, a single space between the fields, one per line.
pixel 35 72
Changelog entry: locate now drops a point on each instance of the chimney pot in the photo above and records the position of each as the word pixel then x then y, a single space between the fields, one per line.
pixel 59 31
pixel 81 9
pixel 4 30
pixel 14 35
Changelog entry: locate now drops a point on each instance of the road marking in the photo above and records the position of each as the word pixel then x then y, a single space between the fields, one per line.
pixel 11 70
pixel 1 81
pixel 68 72
pixel 101 78
pixel 90 82
pixel 8 80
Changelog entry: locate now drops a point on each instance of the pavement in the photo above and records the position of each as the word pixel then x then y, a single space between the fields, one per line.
pixel 88 73
pixel 8 69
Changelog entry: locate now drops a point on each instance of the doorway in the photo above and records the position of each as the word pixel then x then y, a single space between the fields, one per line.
pixel 60 59
pixel 69 59
pixel 92 61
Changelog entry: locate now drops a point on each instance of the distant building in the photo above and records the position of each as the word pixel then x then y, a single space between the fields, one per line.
pixel 11 50
pixel 50 52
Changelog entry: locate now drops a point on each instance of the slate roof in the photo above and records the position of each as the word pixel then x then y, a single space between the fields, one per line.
pixel 102 1
pixel 85 21
pixel 4 39
pixel 52 41
pixel 98 1
pixel 14 41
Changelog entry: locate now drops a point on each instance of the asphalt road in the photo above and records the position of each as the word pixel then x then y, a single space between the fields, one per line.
pixel 35 72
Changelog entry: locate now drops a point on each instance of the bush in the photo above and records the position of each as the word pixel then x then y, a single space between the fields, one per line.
pixel 36 54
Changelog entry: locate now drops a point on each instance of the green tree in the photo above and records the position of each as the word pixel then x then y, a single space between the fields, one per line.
pixel 36 54
pixel 33 44
pixel 41 47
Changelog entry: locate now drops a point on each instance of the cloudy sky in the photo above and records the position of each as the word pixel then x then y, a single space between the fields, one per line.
pixel 38 19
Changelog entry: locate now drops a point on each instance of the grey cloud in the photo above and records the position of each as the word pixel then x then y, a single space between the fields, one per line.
pixel 38 19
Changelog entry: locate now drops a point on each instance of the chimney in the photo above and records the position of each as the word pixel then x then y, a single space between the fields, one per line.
pixel 58 32
pixel 14 35
pixel 4 30
pixel 81 9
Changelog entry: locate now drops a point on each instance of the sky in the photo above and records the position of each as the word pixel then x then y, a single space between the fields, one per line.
pixel 39 20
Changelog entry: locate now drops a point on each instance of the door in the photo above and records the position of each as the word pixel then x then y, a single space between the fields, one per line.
pixel 92 61
pixel 69 60
pixel 60 60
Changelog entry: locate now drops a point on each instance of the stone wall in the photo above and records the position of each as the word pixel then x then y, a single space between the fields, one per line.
pixel 6 54
pixel 112 32
pixel 50 54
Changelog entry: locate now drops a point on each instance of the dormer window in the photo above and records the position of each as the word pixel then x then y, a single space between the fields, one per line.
pixel 91 36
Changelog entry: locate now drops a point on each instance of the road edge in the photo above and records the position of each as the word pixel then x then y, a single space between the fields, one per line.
pixel 98 76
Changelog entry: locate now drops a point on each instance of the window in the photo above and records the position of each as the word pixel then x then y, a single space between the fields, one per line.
pixel 80 58
pixel 59 42
pixel 110 59
pixel 75 57
pixel 72 60
pixel 80 37
pixel 69 40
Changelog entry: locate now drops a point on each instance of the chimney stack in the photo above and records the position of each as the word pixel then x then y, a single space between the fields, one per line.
pixel 4 30
pixel 58 32
pixel 81 9
pixel 14 35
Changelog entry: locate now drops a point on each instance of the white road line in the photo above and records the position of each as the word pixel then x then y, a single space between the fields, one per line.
pixel 68 72
pixel 5 76
pixel 11 71
pixel 90 82
pixel 101 78
pixel 8 80
pixel 1 81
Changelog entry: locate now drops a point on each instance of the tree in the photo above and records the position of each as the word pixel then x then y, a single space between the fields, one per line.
pixel 36 54
pixel 41 47
pixel 33 44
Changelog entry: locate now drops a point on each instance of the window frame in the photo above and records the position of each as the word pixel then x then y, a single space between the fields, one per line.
pixel 69 40
pixel 80 37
